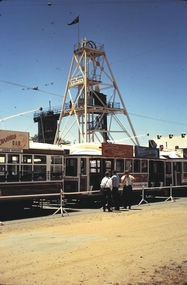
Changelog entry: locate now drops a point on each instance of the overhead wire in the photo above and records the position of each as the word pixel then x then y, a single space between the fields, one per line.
pixel 68 3
pixel 31 88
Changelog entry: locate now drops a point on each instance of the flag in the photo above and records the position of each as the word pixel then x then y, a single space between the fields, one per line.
pixel 75 21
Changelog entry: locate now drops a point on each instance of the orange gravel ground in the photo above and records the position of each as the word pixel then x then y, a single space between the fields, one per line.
pixel 145 245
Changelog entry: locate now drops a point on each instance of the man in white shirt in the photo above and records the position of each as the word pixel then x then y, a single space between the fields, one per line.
pixel 106 186
pixel 127 181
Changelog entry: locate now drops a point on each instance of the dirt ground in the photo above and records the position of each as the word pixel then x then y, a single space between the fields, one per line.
pixel 144 245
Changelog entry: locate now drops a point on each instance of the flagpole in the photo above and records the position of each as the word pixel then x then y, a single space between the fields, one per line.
pixel 79 30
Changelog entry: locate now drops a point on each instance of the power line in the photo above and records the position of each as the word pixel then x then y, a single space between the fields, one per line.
pixel 156 119
pixel 68 3
pixel 30 88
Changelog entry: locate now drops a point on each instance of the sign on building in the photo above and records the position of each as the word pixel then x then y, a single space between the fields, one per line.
pixel 14 140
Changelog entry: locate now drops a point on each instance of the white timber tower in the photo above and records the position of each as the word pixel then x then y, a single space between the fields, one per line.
pixel 93 108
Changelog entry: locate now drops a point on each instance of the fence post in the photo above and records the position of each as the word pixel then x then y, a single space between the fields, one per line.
pixel 170 197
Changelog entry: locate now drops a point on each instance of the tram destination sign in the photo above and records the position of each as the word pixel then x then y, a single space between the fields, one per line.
pixel 14 140
pixel 146 152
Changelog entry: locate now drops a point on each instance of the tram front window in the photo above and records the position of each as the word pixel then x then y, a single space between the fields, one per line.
pixel 83 166
pixel 95 166
pixel 71 166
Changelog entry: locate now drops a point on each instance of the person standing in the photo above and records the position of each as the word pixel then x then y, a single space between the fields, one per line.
pixel 127 181
pixel 115 186
pixel 106 186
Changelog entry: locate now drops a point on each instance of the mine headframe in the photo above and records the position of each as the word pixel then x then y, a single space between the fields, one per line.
pixel 92 101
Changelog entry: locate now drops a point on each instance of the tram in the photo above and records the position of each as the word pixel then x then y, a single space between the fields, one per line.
pixel 87 163
pixel 43 170
pixel 29 174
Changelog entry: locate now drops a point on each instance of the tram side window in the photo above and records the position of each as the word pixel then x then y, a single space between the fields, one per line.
pixel 39 159
pixel 56 168
pixel 2 167
pixel 144 166
pixel 12 173
pixel 95 166
pixel 168 167
pixel 119 165
pixel 56 159
pixel 178 166
pixel 128 165
pixel 185 166
pixel 83 166
pixel 56 172
pixel 137 165
pixel 26 158
pixel 2 173
pixel 13 158
pixel 2 158
pixel 71 166
pixel 39 172
pixel 108 165
pixel 26 173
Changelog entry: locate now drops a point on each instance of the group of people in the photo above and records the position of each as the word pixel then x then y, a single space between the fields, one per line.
pixel 109 188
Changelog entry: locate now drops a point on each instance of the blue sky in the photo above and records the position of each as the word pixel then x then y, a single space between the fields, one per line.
pixel 145 44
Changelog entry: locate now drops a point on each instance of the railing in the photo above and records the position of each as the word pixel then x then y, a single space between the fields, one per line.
pixel 112 105
pixel 48 112
pixel 88 43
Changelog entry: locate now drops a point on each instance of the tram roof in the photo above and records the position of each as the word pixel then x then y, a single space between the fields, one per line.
pixel 46 146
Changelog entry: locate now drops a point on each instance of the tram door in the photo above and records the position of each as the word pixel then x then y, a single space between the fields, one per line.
pixel 177 167
pixel 95 173
pixel 98 167
pixel 169 171
pixel 156 173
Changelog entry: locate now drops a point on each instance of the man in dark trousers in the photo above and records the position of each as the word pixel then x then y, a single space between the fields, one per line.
pixel 127 181
pixel 115 186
